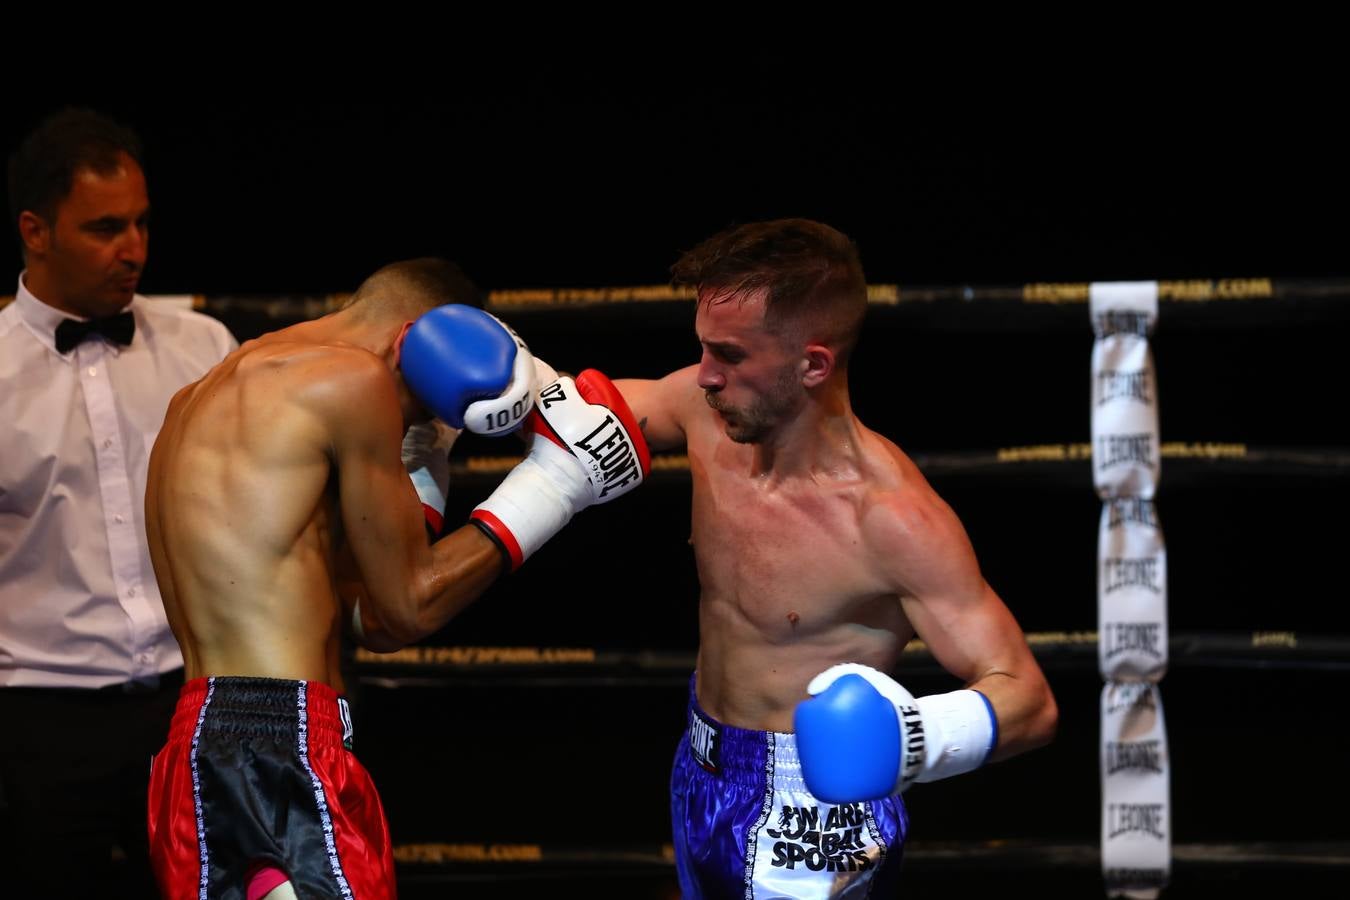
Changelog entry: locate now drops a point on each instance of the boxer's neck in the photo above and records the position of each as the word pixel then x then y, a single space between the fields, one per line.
pixel 822 441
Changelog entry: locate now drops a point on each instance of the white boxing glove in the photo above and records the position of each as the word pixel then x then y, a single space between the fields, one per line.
pixel 585 448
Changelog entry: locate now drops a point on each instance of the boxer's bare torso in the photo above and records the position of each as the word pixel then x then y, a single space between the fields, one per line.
pixel 798 572
pixel 266 473
pixel 788 581
pixel 817 540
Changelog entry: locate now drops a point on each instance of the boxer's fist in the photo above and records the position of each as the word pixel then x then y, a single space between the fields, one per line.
pixel 470 369
pixel 849 736
pixel 585 448
pixel 862 736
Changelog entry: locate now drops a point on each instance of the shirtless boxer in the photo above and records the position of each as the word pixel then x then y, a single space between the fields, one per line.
pixel 279 510
pixel 818 543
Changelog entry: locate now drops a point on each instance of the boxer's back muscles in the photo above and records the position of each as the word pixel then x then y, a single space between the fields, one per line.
pixel 282 458
pixel 241 511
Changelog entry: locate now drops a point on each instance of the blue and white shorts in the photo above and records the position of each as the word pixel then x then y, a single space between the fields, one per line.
pixel 745 825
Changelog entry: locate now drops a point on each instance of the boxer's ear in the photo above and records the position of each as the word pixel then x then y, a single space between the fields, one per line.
pixel 817 364
pixel 398 342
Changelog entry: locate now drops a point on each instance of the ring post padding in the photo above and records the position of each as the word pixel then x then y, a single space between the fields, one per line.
pixel 1131 591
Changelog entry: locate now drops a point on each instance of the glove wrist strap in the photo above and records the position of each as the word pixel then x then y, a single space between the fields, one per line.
pixel 960 733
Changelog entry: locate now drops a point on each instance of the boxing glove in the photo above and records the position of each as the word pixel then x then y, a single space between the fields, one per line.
pixel 585 448
pixel 863 736
pixel 470 369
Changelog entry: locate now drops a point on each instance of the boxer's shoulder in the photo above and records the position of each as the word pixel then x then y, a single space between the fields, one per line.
pixel 338 385
pixel 314 368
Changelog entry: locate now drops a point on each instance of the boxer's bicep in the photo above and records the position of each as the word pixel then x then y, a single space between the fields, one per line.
pixel 967 626
pixel 660 407
pixel 933 568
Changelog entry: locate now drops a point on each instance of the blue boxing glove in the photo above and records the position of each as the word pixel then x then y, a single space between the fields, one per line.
pixel 470 369
pixel 862 736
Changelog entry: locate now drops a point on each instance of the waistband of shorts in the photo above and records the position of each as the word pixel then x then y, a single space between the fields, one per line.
pixel 264 707
pixel 743 755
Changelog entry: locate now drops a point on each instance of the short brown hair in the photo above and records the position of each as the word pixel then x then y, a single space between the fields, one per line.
pixel 814 279
pixel 406 289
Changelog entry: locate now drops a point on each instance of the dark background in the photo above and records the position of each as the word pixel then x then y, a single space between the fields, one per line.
pixel 552 170
pixel 562 175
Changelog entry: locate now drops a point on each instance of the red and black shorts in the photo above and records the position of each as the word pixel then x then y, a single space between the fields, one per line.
pixel 258 773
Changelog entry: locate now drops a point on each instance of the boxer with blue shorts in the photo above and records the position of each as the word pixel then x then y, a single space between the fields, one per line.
pixel 821 552
pixel 746 825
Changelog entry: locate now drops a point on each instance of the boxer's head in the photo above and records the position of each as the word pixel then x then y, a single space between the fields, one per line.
pixel 402 291
pixel 389 301
pixel 780 306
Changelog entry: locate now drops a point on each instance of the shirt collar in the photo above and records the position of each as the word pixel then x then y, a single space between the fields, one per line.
pixel 42 319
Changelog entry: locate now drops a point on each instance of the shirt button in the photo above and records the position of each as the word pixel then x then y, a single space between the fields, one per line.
pixel 131 592
pixel 92 371
pixel 118 519
pixel 107 443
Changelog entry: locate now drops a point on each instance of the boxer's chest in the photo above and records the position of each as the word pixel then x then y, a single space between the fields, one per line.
pixel 760 545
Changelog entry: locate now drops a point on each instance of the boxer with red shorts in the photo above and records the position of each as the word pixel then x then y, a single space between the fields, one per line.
pixel 280 510
pixel 258 785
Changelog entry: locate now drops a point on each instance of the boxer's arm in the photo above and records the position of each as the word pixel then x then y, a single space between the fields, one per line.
pixel 349 587
pixel 970 631
pixel 661 406
pixel 411 588
pixel 426 447
pixel 862 734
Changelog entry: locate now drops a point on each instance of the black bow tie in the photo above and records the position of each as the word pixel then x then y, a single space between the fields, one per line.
pixel 117 328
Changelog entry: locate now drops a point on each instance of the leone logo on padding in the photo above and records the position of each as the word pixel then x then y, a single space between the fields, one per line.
pixel 1139 818
pixel 1115 384
pixel 1122 321
pixel 1120 572
pixel 1137 756
pixel 1139 637
pixel 1124 449
pixel 1135 510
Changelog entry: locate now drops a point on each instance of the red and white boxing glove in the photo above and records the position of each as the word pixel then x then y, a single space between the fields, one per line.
pixel 585 448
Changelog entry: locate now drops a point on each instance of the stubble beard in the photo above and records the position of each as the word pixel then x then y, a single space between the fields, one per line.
pixel 751 424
